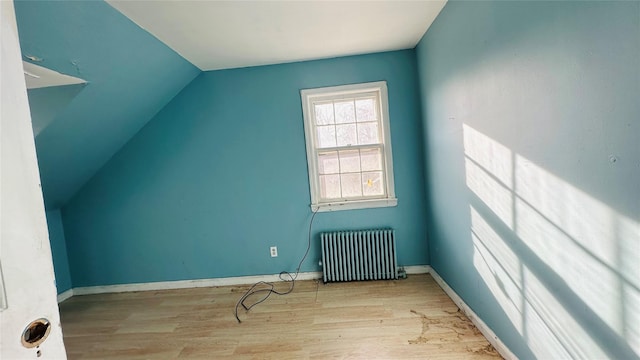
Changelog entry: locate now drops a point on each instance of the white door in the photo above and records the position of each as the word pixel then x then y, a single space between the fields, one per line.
pixel 27 288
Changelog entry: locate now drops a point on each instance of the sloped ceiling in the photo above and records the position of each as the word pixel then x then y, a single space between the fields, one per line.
pixel 130 76
pixel 229 34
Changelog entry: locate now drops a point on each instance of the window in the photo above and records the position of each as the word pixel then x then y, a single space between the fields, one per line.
pixel 348 147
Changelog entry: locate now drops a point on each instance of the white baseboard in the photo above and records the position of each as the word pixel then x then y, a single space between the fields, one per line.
pixel 185 284
pixel 417 269
pixel 484 329
pixel 65 295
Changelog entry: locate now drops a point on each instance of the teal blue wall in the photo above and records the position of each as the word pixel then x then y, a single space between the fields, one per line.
pixel 131 75
pixel 531 127
pixel 59 251
pixel 220 175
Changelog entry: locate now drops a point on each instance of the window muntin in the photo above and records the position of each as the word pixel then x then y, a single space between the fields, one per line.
pixel 348 146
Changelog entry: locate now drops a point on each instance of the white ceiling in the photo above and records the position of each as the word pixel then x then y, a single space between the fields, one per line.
pixel 216 35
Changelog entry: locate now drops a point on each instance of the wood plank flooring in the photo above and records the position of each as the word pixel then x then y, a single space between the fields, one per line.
pixel 403 319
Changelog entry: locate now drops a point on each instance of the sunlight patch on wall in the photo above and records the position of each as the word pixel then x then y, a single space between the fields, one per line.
pixel 631 311
pixel 544 225
pixel 494 194
pixel 581 217
pixel 580 261
pixel 496 245
pixel 503 277
pixel 551 331
pixel 629 235
pixel 489 173
pixel 628 231
pixel 489 154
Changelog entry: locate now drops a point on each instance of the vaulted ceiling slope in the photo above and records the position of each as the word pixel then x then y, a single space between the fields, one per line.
pixel 130 76
pixel 217 35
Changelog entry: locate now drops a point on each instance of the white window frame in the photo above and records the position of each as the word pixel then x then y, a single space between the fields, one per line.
pixel 309 96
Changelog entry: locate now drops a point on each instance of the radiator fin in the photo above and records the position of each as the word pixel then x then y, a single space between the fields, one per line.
pixel 359 255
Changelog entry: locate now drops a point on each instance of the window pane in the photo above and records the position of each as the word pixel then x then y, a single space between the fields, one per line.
pixel 371 159
pixel 368 133
pixel 372 183
pixel 348 157
pixel 346 135
pixel 328 163
pixel 324 114
pixel 330 186
pixel 366 110
pixel 326 136
pixel 345 112
pixel 351 185
pixel 349 161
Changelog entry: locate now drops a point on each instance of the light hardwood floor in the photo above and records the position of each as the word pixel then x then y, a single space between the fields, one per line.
pixel 403 319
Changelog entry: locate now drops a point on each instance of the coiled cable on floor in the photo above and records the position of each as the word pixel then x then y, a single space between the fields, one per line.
pixel 270 287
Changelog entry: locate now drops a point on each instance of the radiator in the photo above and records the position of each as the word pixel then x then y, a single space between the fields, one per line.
pixel 359 255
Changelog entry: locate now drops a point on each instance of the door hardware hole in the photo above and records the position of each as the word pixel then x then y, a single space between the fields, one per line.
pixel 35 333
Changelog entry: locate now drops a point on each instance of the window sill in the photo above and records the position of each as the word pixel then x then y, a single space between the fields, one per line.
pixel 354 204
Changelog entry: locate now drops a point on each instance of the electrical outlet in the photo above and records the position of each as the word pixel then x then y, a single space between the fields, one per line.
pixel 274 251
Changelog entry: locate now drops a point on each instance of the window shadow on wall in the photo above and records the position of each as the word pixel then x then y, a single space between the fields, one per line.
pixel 562 264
